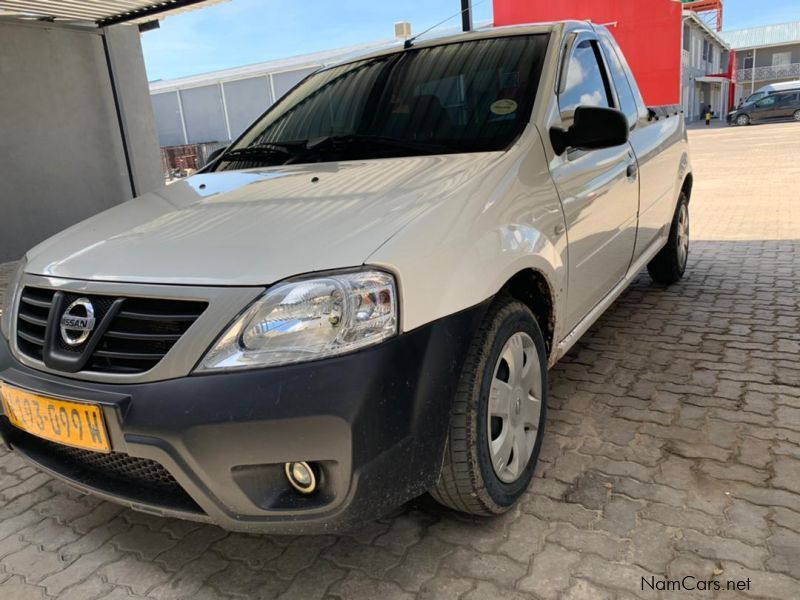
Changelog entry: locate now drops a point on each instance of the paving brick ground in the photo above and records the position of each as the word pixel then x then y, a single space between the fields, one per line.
pixel 673 449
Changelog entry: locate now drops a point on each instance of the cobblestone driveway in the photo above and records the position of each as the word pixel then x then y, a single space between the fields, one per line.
pixel 673 449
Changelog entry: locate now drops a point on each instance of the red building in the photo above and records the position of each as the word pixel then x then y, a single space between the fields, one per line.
pixel 648 31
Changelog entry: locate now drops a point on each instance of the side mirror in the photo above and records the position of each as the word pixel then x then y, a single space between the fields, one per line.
pixel 593 127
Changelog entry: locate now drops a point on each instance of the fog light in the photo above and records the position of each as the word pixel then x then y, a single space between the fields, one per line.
pixel 301 476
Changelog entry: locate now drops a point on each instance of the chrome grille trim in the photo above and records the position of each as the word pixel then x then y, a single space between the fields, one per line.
pixel 224 304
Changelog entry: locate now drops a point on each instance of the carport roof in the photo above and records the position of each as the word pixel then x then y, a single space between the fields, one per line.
pixel 101 12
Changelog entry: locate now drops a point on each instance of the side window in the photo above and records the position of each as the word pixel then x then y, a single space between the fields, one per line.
pixel 765 102
pixel 585 83
pixel 627 101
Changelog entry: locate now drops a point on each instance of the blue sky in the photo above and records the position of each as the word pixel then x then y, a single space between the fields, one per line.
pixel 241 32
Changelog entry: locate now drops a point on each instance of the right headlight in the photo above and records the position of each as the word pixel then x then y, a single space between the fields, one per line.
pixel 8 298
pixel 308 319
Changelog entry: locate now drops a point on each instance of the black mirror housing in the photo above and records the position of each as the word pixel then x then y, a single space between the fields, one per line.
pixel 593 127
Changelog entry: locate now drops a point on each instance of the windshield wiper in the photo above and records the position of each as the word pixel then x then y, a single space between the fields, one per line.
pixel 339 142
pixel 264 152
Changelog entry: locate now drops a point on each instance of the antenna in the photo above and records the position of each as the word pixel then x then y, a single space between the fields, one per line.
pixel 410 41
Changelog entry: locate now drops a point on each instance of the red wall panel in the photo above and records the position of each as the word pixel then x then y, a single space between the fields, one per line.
pixel 648 31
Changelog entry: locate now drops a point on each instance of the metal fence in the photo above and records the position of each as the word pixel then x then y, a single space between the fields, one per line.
pixel 788 71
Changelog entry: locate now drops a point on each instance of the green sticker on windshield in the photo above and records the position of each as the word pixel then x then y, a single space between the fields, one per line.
pixel 503 107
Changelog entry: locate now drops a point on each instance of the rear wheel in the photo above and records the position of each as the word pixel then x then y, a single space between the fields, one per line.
pixel 743 120
pixel 797 115
pixel 497 422
pixel 669 265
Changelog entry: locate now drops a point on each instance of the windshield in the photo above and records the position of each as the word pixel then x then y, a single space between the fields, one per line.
pixel 463 97
pixel 753 97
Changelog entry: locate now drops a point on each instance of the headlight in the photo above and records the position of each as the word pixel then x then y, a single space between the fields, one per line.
pixel 8 298
pixel 308 319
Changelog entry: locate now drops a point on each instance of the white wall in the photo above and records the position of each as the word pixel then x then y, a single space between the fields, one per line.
pixel 218 111
pixel 68 149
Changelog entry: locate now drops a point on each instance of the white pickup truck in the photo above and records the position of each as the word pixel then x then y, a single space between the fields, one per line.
pixel 357 301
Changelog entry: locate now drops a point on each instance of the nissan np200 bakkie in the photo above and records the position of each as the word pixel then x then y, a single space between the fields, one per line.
pixel 358 300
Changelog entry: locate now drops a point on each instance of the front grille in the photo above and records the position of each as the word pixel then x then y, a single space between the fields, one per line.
pixel 137 338
pixel 116 473
pixel 141 334
pixel 34 308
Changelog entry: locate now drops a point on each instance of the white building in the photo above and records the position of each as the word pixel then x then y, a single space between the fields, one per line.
pixel 705 56
pixel 764 55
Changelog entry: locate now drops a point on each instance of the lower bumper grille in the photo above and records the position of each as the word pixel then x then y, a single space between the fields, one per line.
pixel 136 479
pixel 116 464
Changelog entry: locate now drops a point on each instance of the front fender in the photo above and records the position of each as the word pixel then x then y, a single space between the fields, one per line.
pixel 463 251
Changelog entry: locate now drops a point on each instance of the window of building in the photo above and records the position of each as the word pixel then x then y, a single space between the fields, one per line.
pixel 698 49
pixel 586 84
pixel 687 38
pixel 780 59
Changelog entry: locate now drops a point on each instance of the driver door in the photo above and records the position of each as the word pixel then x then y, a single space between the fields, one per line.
pixel 599 189
pixel 764 109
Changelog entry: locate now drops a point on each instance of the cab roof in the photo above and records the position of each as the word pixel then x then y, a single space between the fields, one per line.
pixel 424 41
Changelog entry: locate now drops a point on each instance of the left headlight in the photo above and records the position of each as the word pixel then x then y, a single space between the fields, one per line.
pixel 308 319
pixel 8 298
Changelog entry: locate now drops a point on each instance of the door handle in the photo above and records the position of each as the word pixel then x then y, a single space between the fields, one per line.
pixel 631 171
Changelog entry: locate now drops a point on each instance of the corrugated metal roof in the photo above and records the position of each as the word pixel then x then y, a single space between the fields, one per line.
pixel 102 12
pixel 292 63
pixel 768 35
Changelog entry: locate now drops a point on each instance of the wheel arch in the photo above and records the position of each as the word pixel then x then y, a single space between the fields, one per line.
pixel 686 186
pixel 532 288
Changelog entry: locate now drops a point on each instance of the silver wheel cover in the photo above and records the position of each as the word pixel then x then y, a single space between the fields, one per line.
pixel 514 407
pixel 683 235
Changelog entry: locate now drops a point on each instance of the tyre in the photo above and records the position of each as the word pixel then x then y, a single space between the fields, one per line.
pixel 498 416
pixel 743 120
pixel 796 115
pixel 669 265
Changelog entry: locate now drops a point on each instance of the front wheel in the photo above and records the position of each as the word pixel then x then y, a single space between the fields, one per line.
pixel 797 115
pixel 743 120
pixel 669 265
pixel 497 422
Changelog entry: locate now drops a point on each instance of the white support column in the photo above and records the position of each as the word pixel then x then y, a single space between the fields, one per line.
pixel 225 110
pixel 128 81
pixel 183 119
pixel 753 72
pixel 271 87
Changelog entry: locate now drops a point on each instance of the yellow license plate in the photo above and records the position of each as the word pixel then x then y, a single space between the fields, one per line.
pixel 70 423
